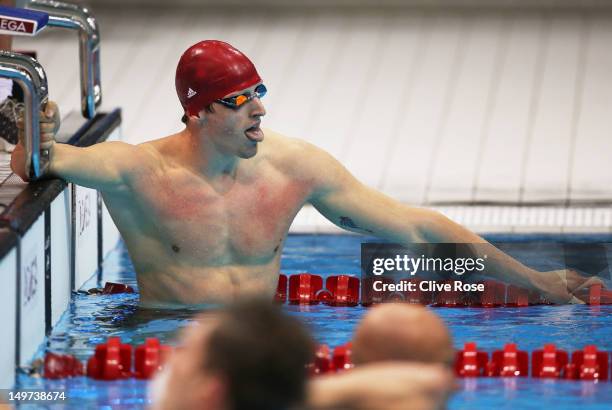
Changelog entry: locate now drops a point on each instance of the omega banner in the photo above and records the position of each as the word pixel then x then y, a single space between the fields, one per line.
pixel 421 272
pixel 17 26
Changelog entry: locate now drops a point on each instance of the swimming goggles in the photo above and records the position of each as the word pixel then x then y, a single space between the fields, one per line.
pixel 237 101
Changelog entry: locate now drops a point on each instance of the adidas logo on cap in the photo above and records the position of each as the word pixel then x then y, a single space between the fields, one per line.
pixel 190 93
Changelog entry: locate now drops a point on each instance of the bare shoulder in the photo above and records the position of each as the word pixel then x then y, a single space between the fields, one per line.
pixel 297 157
pixel 155 153
pixel 129 160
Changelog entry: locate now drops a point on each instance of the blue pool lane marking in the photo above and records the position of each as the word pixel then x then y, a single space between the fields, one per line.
pixel 15 21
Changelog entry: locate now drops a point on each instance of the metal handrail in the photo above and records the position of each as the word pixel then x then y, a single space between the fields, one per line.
pixel 77 17
pixel 31 77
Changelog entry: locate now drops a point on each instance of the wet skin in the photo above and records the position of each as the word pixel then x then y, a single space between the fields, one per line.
pixel 191 242
pixel 205 212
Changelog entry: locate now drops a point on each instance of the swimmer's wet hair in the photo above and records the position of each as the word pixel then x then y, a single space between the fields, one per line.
pixel 262 353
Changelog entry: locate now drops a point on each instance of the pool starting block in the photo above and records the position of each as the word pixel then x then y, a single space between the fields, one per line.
pixel 17 21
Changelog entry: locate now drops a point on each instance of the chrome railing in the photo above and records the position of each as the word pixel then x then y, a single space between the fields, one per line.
pixel 31 77
pixel 77 17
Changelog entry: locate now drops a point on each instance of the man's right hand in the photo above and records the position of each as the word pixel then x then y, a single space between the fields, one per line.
pixel 49 125
pixel 565 286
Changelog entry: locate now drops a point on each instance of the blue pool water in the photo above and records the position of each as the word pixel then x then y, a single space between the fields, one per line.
pixel 92 318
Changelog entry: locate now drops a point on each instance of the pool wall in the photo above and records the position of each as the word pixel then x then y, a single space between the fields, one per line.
pixel 53 238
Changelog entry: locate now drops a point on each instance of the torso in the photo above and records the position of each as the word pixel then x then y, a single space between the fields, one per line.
pixel 192 243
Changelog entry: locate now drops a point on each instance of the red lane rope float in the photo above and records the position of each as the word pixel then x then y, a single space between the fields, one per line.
pixel 343 290
pixel 369 296
pixel 281 289
pixel 470 362
pixel 149 358
pixel 303 288
pixel 342 357
pixel 62 366
pixel 516 297
pixel 347 290
pixel 111 288
pixel 588 364
pixel 599 296
pixel 549 362
pixel 327 361
pixel 508 362
pixel 112 361
pixel 322 361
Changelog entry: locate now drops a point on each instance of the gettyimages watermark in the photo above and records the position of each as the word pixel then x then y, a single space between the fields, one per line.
pixel 392 272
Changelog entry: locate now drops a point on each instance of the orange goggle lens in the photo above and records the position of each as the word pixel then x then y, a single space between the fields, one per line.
pixel 241 99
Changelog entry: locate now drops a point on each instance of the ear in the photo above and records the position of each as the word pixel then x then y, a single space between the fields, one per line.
pixel 192 117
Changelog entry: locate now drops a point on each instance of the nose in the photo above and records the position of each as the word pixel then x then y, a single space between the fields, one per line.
pixel 258 109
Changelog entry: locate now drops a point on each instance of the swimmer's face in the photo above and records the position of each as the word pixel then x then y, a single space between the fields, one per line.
pixel 235 131
pixel 185 383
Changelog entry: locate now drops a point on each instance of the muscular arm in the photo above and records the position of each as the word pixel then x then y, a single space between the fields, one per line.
pixel 102 166
pixel 353 206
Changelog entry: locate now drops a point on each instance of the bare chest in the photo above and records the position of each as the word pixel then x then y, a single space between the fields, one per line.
pixel 242 223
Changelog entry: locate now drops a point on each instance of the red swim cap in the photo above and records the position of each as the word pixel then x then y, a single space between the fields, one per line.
pixel 210 70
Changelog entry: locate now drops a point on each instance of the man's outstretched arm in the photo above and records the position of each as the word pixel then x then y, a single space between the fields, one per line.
pixel 348 203
pixel 101 166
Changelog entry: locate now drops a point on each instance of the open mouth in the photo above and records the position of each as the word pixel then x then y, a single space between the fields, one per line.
pixel 254 133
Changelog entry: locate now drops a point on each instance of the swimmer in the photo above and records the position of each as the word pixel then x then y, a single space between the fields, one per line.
pixel 205 212
pixel 249 356
pixel 403 357
pixel 405 332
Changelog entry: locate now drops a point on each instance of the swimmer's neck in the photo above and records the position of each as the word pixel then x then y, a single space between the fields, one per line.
pixel 205 159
